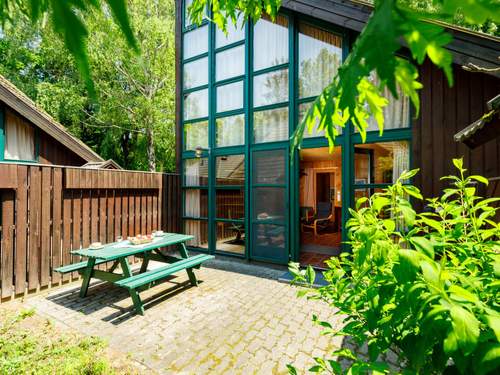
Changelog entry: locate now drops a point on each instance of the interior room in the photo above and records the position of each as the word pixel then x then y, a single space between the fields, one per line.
pixel 320 205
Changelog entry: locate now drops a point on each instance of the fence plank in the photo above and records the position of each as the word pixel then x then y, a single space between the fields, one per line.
pixel 66 224
pixel 48 211
pixel 7 254
pixel 56 222
pixel 21 229
pixel 45 227
pixel 34 223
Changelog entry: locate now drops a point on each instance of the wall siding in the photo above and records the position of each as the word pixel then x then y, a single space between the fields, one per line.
pixel 444 111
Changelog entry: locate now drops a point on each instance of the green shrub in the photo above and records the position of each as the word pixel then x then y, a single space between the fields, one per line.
pixel 425 285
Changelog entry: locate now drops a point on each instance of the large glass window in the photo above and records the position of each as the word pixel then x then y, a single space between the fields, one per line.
pixel 196 73
pixel 187 20
pixel 235 33
pixel 196 105
pixel 230 63
pixel 270 42
pixel 320 55
pixel 230 170
pixel 230 237
pixel 196 42
pixel 196 135
pixel 198 229
pixel 196 172
pixel 270 125
pixel 270 88
pixel 196 203
pixel 230 97
pixel 380 163
pixel 269 167
pixel 230 131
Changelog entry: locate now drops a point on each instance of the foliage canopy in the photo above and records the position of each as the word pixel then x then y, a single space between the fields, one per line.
pixel 423 284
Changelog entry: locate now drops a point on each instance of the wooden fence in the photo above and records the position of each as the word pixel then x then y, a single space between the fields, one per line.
pixel 47 211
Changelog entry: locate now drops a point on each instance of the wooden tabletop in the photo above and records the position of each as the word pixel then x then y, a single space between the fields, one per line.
pixel 122 249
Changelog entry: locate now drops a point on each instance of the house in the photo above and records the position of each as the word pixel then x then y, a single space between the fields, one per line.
pixel 241 96
pixel 30 135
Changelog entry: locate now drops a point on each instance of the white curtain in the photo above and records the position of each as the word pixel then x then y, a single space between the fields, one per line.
pixel 396 113
pixel 401 159
pixel 192 200
pixel 19 138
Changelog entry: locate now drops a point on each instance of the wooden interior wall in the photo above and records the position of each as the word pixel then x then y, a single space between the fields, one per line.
pixel 444 111
pixel 46 211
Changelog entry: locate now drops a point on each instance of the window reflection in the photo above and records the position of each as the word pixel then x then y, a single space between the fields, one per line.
pixel 196 42
pixel 380 163
pixel 196 172
pixel 269 167
pixel 271 125
pixel 196 73
pixel 270 42
pixel 230 131
pixel 196 135
pixel 270 88
pixel 320 55
pixel 230 170
pixel 230 97
pixel 235 33
pixel 196 105
pixel 230 63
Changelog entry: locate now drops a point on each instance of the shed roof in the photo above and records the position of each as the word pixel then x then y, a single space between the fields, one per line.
pixel 17 100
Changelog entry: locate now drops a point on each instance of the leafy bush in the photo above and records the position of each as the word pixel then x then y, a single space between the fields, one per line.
pixel 425 285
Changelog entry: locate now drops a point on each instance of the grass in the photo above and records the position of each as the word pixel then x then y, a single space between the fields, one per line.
pixel 32 345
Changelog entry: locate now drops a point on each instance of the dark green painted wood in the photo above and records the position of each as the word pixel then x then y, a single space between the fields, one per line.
pixel 87 275
pixel 75 267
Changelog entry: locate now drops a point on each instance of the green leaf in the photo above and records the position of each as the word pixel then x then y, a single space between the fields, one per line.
pixel 407 267
pixel 494 323
pixel 424 245
pixel 481 179
pixel 310 275
pixel 460 294
pixel 459 164
pixel 119 10
pixel 380 202
pixel 407 211
pixel 464 331
pixel 291 369
pixel 488 358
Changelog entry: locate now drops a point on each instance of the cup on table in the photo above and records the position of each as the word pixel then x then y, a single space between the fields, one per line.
pixel 119 238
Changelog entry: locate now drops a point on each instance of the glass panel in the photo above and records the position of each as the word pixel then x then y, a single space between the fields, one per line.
pixel 187 21
pixel 270 125
pixel 196 135
pixel 230 204
pixel 269 167
pixel 231 237
pixel 230 97
pixel 196 105
pixel 196 202
pixel 230 63
pixel 270 43
pixel 269 203
pixel 396 113
pixel 320 55
pixel 230 170
pixel 270 88
pixel 230 131
pixel 196 42
pixel 196 172
pixel 196 73
pixel 381 163
pixel 269 241
pixel 234 33
pixel 198 229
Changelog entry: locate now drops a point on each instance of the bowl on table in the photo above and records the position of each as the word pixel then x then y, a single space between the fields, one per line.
pixel 96 246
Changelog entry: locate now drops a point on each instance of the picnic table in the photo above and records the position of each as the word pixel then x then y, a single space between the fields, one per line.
pixel 119 252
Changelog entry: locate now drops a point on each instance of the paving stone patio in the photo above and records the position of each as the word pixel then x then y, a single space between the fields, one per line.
pixel 239 320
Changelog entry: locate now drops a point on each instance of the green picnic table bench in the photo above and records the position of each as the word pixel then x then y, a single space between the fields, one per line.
pixel 119 252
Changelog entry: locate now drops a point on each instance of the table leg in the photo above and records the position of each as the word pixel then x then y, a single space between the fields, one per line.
pixel 87 275
pixel 136 299
pixel 190 272
pixel 145 262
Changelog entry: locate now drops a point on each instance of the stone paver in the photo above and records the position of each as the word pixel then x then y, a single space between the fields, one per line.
pixel 240 320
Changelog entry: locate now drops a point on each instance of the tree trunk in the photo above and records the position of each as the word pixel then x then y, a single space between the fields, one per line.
pixel 150 149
